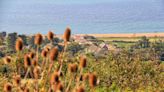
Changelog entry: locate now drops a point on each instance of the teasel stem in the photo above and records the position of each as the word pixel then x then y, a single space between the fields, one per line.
pixel 69 84
pixel 37 56
pixel 63 55
pixel 28 71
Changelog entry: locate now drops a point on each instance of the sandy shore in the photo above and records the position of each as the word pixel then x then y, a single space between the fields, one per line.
pixel 127 35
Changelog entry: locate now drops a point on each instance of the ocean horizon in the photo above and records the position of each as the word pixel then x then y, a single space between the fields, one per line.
pixel 142 16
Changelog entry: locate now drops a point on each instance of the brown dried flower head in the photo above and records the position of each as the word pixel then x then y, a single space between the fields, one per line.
pixel 80 89
pixel 44 53
pixel 38 39
pixel 17 80
pixel 34 62
pixel 67 34
pixel 92 80
pixel 8 87
pixel 31 55
pixel 19 44
pixel 50 35
pixel 7 59
pixel 53 53
pixel 27 61
pixel 72 68
pixel 37 71
pixel 60 87
pixel 83 62
pixel 26 90
pixel 54 78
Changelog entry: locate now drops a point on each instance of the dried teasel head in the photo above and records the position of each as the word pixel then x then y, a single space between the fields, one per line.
pixel 7 59
pixel 53 53
pixel 80 89
pixel 72 68
pixel 26 90
pixel 92 80
pixel 27 61
pixel 83 62
pixel 19 44
pixel 37 71
pixel 38 39
pixel 50 35
pixel 8 87
pixel 60 87
pixel 67 34
pixel 34 62
pixel 31 55
pixel 17 80
pixel 44 53
pixel 54 78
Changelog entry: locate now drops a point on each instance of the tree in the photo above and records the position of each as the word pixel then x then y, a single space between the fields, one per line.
pixel 10 41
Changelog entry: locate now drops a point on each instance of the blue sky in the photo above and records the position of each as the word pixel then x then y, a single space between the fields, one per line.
pixel 65 1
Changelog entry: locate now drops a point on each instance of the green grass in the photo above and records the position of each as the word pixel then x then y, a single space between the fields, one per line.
pixel 132 39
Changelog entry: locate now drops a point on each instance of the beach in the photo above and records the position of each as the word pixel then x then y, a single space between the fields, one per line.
pixel 127 35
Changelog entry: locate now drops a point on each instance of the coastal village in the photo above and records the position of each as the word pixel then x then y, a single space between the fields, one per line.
pixel 90 44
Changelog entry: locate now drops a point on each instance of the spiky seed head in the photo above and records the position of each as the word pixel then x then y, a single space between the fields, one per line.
pixel 34 62
pixel 26 90
pixel 17 80
pixel 54 78
pixel 80 89
pixel 7 59
pixel 72 68
pixel 27 61
pixel 8 87
pixel 60 87
pixel 53 53
pixel 92 80
pixel 83 62
pixel 31 55
pixel 19 44
pixel 67 34
pixel 38 39
pixel 37 71
pixel 50 35
pixel 44 53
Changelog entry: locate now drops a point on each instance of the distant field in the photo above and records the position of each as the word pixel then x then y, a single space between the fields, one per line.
pixel 126 42
pixel 131 39
pixel 128 35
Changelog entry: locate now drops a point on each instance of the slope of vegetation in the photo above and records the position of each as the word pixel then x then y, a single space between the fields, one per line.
pixel 58 65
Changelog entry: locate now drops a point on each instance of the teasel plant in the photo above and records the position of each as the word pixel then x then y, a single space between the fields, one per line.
pixel 28 66
pixel 44 55
pixel 8 87
pixel 66 38
pixel 82 65
pixel 53 56
pixel 54 81
pixel 36 72
pixel 50 36
pixel 38 41
pixel 92 81
pixel 72 69
pixel 17 82
pixel 18 48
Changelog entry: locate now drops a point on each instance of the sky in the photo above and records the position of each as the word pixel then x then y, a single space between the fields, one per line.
pixel 65 1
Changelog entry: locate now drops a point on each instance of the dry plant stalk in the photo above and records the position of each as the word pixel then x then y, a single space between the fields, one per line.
pixel 18 48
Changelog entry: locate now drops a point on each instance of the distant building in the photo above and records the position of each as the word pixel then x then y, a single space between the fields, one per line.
pixel 104 45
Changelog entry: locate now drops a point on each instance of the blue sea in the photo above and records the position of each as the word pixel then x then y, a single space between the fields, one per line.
pixel 141 16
